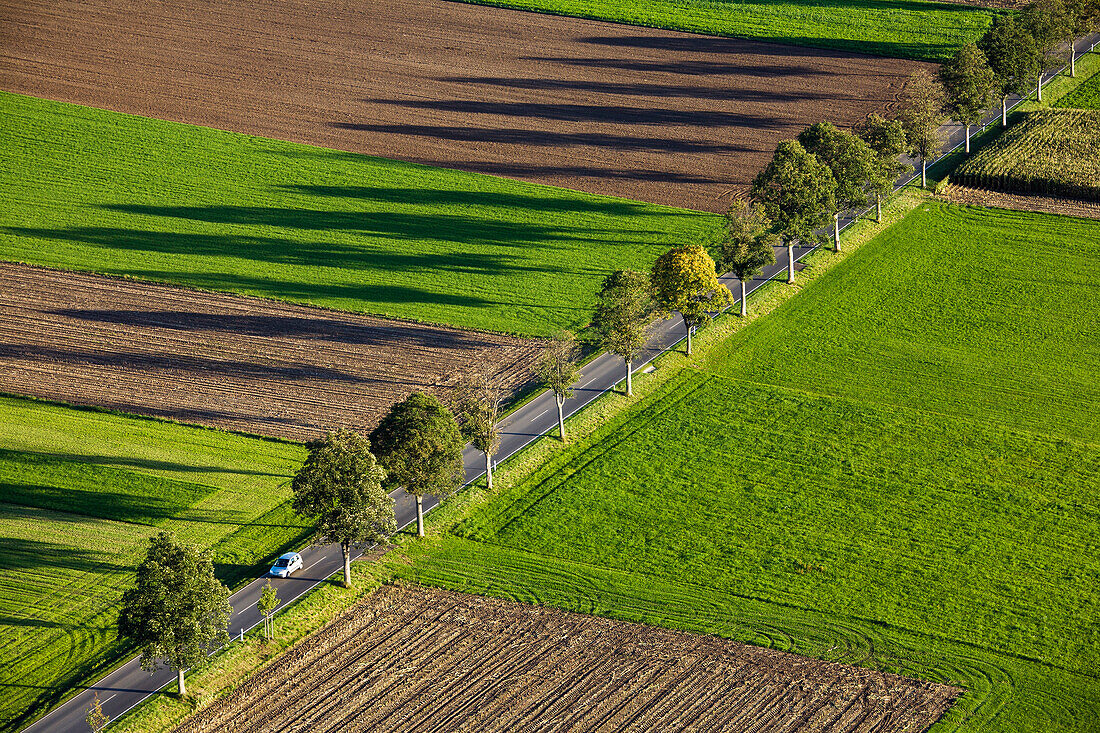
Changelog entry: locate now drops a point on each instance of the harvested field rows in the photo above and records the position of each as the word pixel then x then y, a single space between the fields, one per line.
pixel 409 658
pixel 232 362
pixel 1022 202
pixel 645 114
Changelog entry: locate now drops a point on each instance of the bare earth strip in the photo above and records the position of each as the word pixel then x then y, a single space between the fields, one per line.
pixel 411 658
pixel 232 362
pixel 1023 202
pixel 664 117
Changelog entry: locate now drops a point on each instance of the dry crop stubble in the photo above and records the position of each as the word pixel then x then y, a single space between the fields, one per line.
pixel 408 657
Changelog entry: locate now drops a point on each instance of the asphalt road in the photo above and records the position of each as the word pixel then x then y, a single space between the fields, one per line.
pixel 129 685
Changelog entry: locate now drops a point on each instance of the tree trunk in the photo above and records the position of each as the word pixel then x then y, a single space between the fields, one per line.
pixel 1072 58
pixel 923 172
pixel 346 548
pixel 489 469
pixel 560 399
pixel 744 305
pixel 419 516
pixel 836 231
pixel 629 378
pixel 688 329
pixel 790 262
pixel 878 208
pixel 179 682
pixel 967 127
pixel 1004 111
pixel 1039 86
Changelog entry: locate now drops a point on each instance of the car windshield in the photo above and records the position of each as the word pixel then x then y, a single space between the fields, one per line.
pixel 282 563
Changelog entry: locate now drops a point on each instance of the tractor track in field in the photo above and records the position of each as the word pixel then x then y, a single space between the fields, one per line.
pixel 670 118
pixel 226 361
pixel 413 658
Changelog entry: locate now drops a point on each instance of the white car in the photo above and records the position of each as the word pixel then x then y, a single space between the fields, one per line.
pixel 286 564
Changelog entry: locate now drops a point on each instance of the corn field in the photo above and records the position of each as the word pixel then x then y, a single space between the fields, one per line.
pixel 1055 152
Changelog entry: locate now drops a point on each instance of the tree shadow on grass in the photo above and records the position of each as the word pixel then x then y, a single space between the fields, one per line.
pixel 44 556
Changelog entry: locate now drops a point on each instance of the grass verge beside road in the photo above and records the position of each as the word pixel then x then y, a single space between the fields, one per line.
pixel 80 493
pixel 900 28
pixel 87 189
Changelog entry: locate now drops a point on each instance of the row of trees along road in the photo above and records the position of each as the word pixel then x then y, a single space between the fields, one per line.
pixel 177 610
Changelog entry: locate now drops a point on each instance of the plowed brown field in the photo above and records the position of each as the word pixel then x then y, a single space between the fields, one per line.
pixel 232 362
pixel 410 658
pixel 664 117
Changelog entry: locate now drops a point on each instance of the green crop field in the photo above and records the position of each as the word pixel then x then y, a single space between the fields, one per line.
pixel 1055 151
pixel 85 189
pixel 900 28
pixel 898 468
pixel 1085 96
pixel 80 493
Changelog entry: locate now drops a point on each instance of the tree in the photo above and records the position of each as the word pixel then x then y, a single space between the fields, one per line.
pixel 419 443
pixel 797 191
pixel 96 719
pixel 478 398
pixel 887 139
pixel 624 309
pixel 177 610
pixel 1013 56
pixel 269 601
pixel 684 280
pixel 1048 22
pixel 748 246
pixel 558 370
pixel 968 81
pixel 1083 16
pixel 921 115
pixel 849 159
pixel 340 486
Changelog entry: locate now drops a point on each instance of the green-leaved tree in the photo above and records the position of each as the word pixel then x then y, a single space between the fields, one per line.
pixel 624 309
pixel 558 371
pixel 969 83
pixel 922 114
pixel 1083 17
pixel 478 398
pixel 887 139
pixel 177 611
pixel 340 487
pixel 419 443
pixel 684 280
pixel 269 601
pixel 1014 57
pixel 851 161
pixel 1049 23
pixel 797 191
pixel 748 245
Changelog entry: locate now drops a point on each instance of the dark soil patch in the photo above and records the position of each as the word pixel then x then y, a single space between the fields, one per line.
pixel 410 658
pixel 231 362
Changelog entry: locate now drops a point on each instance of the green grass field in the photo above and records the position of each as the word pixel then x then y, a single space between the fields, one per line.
pixel 80 493
pixel 1085 96
pixel 897 468
pixel 900 28
pixel 85 189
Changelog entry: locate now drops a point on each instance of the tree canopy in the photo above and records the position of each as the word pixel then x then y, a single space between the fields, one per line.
pixel 419 443
pixel 1012 54
pixel 684 280
pixel 341 487
pixel 969 83
pixel 177 610
pixel 558 371
pixel 624 309
pixel 851 161
pixel 922 114
pixel 797 191
pixel 478 399
pixel 887 139
pixel 749 244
